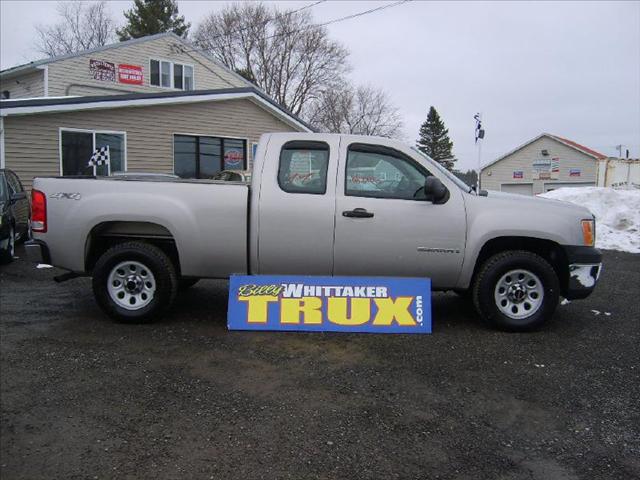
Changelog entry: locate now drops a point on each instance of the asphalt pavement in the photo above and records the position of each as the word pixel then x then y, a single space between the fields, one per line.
pixel 83 397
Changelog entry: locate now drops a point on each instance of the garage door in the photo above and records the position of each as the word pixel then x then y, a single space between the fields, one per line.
pixel 552 186
pixel 519 188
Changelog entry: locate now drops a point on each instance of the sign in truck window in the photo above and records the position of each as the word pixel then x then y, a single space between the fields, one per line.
pixel 329 304
pixel 101 70
pixel 130 74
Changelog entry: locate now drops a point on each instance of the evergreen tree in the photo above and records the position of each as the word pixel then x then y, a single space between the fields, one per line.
pixel 148 17
pixel 434 140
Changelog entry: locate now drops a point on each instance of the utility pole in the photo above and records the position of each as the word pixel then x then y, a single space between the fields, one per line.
pixel 479 136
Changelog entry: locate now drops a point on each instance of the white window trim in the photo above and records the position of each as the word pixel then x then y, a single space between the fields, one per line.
pixel 173 146
pixel 84 130
pixel 2 159
pixel 171 78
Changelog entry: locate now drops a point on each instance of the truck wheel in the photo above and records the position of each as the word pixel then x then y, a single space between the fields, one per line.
pixel 7 253
pixel 516 291
pixel 134 282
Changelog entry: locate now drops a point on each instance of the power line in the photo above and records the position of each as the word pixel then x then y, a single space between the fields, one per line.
pixel 330 22
pixel 290 12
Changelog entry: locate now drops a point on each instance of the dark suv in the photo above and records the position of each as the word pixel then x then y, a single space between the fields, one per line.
pixel 14 214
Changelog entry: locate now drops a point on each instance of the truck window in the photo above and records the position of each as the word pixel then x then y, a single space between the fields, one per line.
pixel 303 167
pixel 380 172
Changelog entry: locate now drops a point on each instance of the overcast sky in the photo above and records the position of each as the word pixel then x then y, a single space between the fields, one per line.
pixel 572 69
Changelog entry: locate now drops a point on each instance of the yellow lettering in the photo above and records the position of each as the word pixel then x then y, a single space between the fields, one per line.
pixel 360 311
pixel 257 307
pixel 390 310
pixel 291 308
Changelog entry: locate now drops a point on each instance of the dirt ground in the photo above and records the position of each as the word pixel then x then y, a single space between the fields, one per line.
pixel 83 397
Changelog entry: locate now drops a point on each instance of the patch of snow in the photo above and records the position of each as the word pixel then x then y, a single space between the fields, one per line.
pixel 596 312
pixel 565 302
pixel 617 214
pixel 44 265
pixel 608 314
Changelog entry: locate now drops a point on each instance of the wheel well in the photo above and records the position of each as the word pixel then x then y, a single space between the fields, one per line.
pixel 107 234
pixel 547 249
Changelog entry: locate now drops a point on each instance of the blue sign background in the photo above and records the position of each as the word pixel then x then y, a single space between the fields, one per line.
pixel 396 287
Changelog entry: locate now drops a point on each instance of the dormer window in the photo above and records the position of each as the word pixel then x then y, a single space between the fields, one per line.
pixel 167 74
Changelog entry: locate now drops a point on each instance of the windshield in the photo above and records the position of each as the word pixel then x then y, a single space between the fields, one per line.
pixel 446 172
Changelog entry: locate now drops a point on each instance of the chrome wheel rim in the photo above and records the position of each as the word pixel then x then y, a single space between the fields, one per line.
pixel 131 285
pixel 519 294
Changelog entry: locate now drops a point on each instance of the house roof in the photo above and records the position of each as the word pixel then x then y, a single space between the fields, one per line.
pixel 569 143
pixel 27 67
pixel 68 104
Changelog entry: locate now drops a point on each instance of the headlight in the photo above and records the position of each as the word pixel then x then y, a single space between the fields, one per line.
pixel 589 232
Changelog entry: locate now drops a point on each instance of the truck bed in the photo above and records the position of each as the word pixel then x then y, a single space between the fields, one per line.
pixel 207 219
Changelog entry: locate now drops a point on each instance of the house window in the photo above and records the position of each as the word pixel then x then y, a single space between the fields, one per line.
pixel 77 146
pixel 171 75
pixel 203 157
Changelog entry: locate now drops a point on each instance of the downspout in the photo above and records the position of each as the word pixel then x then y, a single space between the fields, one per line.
pixel 45 69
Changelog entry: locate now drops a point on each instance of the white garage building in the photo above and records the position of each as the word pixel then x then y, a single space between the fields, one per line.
pixel 545 163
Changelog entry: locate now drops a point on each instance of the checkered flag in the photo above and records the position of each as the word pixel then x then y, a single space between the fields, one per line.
pixel 100 157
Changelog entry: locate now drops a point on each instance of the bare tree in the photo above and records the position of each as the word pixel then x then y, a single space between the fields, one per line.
pixel 363 110
pixel 81 26
pixel 282 52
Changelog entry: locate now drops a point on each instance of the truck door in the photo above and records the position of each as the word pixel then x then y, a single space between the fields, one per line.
pixel 384 224
pixel 296 206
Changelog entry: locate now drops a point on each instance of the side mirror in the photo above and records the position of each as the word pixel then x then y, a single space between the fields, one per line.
pixel 435 191
pixel 18 196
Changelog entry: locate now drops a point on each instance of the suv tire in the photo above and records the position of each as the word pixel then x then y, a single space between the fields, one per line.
pixel 134 282
pixel 516 291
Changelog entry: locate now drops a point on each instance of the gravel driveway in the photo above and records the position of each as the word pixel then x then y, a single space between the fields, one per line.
pixel 82 397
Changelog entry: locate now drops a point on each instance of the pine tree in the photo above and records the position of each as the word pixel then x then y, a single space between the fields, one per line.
pixel 434 140
pixel 148 17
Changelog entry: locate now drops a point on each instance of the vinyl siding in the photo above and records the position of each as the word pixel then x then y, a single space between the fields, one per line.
pixel 72 76
pixel 32 141
pixel 25 86
pixel 501 172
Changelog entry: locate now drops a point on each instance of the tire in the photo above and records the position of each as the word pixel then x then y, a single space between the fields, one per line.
pixel 6 254
pixel 516 291
pixel 186 283
pixel 134 282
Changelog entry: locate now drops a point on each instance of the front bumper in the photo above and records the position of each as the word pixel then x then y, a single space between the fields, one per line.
pixel 37 251
pixel 585 266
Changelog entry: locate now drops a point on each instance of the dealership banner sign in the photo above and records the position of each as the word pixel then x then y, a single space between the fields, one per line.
pixel 329 304
pixel 130 74
pixel 101 70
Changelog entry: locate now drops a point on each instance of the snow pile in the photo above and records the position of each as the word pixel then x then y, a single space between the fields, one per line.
pixel 617 214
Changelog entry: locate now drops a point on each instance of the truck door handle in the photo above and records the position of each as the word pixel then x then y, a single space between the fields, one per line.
pixel 357 213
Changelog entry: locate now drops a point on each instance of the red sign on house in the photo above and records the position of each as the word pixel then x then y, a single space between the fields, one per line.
pixel 130 74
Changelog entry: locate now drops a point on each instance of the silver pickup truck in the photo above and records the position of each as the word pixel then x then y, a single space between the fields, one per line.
pixel 317 204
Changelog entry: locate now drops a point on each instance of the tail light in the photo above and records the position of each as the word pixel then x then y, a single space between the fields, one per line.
pixel 38 211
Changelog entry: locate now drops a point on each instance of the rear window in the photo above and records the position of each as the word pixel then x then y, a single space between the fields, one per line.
pixel 303 167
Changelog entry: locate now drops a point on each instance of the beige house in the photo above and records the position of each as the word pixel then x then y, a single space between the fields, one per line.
pixel 191 134
pixel 545 163
pixel 156 103
pixel 157 63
